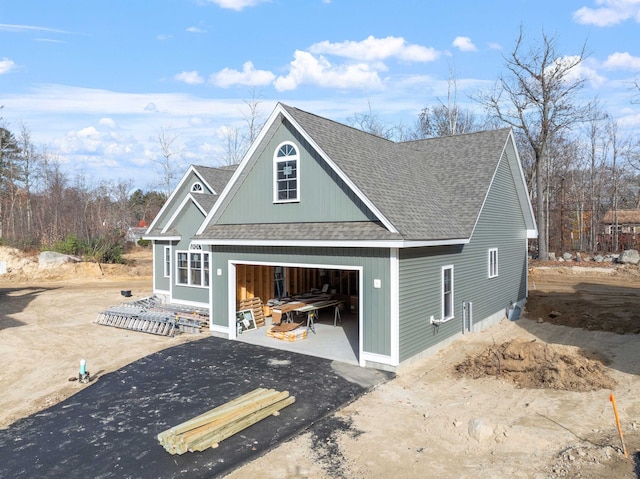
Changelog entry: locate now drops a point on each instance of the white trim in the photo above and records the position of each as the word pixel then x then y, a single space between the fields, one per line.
pixel 164 261
pixel 453 303
pixel 280 110
pixel 231 292
pixel 179 209
pixel 191 169
pixel 491 266
pixel 196 187
pixel 197 304
pixel 394 292
pixel 162 238
pixel 189 252
pixel 532 234
pixel 337 243
pixel 376 358
pixel 275 161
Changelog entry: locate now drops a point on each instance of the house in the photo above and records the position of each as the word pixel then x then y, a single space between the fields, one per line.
pixel 424 239
pixel 621 230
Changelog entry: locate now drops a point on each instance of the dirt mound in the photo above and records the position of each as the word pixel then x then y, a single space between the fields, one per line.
pixel 19 266
pixel 536 365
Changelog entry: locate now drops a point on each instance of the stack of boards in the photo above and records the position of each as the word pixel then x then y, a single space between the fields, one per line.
pixel 208 429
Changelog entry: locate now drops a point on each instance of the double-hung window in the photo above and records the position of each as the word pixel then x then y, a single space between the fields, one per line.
pixel 447 292
pixel 193 268
pixel 493 262
pixel 286 179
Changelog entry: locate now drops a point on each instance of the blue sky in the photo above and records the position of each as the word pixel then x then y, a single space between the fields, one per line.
pixel 96 82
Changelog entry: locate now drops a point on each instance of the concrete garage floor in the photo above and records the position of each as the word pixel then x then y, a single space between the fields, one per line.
pixel 338 343
pixel 109 429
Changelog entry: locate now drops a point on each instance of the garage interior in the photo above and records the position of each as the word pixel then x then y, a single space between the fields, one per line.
pixel 269 285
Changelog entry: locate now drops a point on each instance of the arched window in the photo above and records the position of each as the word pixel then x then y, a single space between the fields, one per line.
pixel 286 179
pixel 196 188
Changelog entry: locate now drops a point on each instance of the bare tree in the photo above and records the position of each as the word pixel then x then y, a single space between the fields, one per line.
pixel 447 119
pixel 370 123
pixel 169 160
pixel 537 96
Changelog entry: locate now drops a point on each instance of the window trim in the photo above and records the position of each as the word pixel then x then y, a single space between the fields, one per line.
pixel 204 268
pixel 196 187
pixel 450 293
pixel 281 159
pixel 167 261
pixel 492 259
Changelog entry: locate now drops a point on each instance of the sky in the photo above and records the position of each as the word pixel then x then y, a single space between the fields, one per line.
pixel 96 83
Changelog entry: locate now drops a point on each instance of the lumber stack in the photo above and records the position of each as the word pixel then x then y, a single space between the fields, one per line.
pixel 254 304
pixel 208 429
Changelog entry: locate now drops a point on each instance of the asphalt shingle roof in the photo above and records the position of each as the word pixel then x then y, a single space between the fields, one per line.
pixel 430 189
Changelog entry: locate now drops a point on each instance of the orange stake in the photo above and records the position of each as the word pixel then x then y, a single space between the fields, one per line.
pixel 615 412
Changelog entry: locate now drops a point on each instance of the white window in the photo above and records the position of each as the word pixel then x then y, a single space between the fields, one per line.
pixel 193 268
pixel 447 292
pixel 493 262
pixel 286 179
pixel 197 188
pixel 167 261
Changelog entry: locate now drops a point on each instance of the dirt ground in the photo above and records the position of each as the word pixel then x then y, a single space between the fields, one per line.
pixel 523 399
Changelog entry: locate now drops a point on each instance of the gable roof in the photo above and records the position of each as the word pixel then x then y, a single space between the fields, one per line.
pixel 215 180
pixel 430 191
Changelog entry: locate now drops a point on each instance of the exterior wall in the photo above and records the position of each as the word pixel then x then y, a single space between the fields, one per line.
pixel 501 225
pixel 187 223
pixel 375 303
pixel 160 283
pixel 323 195
pixel 179 195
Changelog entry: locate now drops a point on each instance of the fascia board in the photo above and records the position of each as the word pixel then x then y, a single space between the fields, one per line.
pixel 171 197
pixel 162 238
pixel 335 244
pixel 245 160
pixel 179 209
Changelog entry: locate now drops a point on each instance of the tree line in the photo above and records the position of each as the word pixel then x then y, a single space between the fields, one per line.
pixel 577 160
pixel 42 207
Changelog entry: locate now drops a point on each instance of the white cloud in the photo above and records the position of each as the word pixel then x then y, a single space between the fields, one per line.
pixel 371 49
pixel 108 122
pixel 236 4
pixel 190 78
pixel 248 76
pixel 162 37
pixel 495 46
pixel 464 44
pixel 609 12
pixel 6 65
pixel 196 30
pixel 582 70
pixel 622 61
pixel 307 69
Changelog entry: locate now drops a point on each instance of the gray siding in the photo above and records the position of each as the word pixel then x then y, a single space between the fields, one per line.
pixel 179 197
pixel 160 282
pixel 501 225
pixel 187 223
pixel 376 265
pixel 323 195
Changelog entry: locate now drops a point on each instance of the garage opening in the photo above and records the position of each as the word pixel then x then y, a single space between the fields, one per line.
pixel 322 302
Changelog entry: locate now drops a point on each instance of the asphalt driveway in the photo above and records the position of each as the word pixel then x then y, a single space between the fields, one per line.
pixel 108 430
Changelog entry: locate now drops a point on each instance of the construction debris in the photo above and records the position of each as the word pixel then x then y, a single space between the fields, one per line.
pixel 208 429
pixel 150 315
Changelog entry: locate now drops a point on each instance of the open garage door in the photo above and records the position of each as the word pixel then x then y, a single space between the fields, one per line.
pixel 336 331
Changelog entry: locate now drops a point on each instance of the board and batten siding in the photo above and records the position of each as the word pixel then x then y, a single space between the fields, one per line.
pixel 187 222
pixel 324 197
pixel 375 264
pixel 501 225
pixel 160 283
